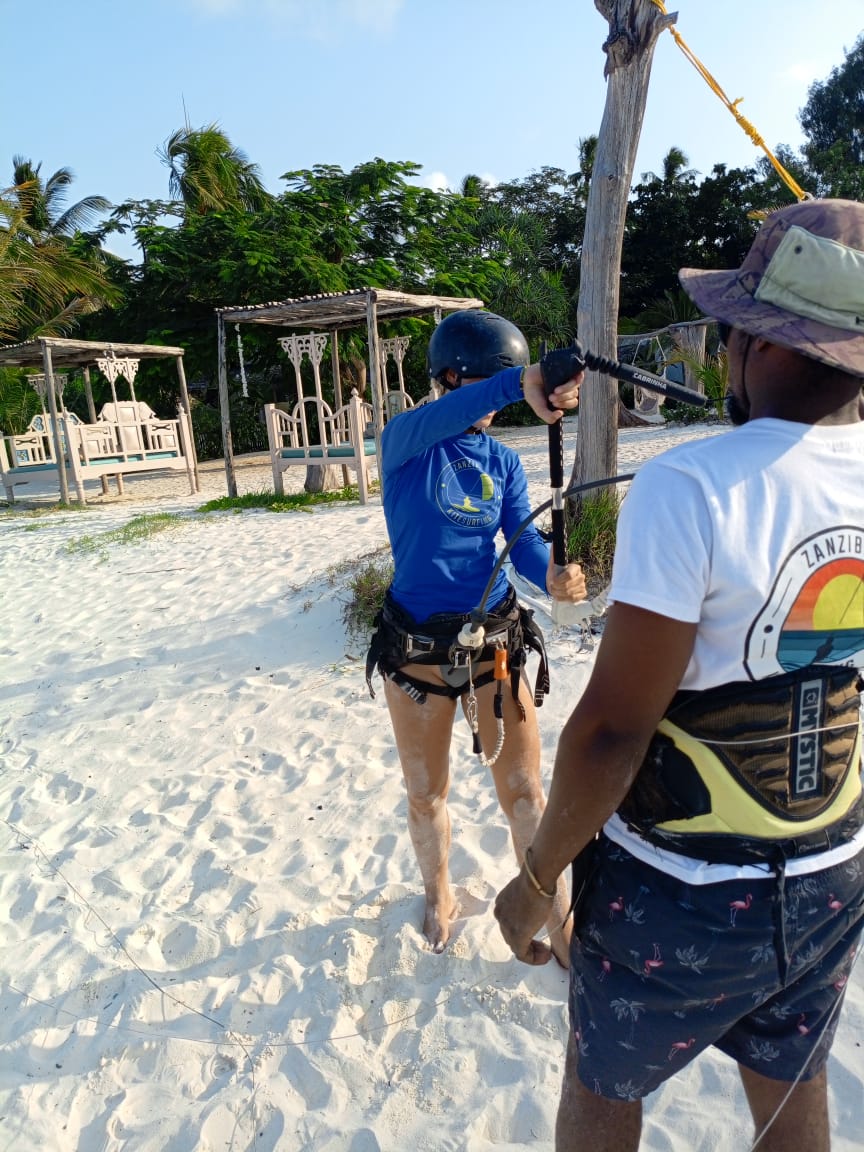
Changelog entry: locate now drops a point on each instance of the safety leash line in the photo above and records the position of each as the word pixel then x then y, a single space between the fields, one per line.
pixel 789 180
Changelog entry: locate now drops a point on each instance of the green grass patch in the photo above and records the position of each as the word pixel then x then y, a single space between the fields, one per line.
pixel 295 502
pixel 137 529
pixel 591 530
pixel 11 511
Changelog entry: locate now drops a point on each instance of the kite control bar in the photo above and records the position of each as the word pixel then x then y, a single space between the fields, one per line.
pixel 563 364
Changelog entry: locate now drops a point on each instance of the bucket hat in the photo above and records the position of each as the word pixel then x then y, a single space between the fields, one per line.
pixel 801 285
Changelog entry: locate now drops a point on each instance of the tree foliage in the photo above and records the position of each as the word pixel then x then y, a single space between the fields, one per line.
pixel 208 173
pixel 47 281
pixel 222 239
pixel 833 122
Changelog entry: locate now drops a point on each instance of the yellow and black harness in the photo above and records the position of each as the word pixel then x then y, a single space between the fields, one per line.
pixel 755 770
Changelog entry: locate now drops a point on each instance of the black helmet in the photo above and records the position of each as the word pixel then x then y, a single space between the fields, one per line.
pixel 475 343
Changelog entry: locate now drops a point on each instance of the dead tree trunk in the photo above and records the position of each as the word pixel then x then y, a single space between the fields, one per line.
pixel 634 26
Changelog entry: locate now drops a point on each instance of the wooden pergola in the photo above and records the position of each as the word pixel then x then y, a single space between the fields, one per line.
pixel 333 312
pixel 51 352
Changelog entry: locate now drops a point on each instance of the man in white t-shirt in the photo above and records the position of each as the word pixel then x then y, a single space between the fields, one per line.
pixel 717 745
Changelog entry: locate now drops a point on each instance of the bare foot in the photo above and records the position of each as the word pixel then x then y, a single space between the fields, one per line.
pixel 436 923
pixel 559 942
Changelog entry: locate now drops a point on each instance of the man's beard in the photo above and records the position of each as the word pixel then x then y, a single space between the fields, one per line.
pixel 736 412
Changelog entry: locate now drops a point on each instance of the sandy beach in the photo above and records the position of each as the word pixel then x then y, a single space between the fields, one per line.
pixel 211 905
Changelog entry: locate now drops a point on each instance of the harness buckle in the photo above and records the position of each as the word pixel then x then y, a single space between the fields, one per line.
pixel 460 657
pixel 418 643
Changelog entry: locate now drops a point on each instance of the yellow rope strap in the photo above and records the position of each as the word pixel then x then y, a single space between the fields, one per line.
pixel 732 105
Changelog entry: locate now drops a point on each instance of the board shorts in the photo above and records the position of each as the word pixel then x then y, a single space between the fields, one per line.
pixel 661 970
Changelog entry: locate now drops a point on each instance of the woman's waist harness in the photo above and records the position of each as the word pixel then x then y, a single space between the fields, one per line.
pixel 750 770
pixel 399 640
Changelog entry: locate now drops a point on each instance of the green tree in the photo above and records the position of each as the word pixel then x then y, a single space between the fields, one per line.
pixel 678 222
pixel 42 203
pixel 47 282
pixel 209 174
pixel 833 122
pixel 675 169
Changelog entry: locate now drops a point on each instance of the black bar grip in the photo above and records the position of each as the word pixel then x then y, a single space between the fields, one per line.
pixel 559 367
pixel 561 364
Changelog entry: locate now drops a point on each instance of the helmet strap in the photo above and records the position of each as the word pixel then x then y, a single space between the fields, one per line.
pixel 446 385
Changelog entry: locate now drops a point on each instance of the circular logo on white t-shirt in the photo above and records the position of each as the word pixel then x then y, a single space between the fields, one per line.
pixel 815 614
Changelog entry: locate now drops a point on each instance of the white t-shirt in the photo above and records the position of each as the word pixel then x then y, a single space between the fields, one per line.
pixel 756 536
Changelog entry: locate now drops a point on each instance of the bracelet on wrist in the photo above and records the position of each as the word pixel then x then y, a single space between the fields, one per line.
pixel 527 864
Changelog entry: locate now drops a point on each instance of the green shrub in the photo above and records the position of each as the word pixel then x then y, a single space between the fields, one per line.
pixel 592 526
pixel 367 585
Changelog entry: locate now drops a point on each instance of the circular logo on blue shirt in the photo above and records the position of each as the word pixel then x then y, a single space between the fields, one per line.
pixel 466 495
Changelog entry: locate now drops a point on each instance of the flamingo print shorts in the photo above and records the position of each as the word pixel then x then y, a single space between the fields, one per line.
pixel 661 970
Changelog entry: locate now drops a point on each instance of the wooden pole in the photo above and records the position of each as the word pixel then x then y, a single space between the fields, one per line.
pixel 91 411
pixel 634 26
pixel 334 361
pixel 337 394
pixel 187 408
pixel 59 454
pixel 375 379
pixel 225 409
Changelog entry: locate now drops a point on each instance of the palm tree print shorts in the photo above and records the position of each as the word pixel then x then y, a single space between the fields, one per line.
pixel 661 970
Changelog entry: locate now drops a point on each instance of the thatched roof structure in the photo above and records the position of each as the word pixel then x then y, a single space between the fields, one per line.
pixel 52 352
pixel 329 312
pixel 76 352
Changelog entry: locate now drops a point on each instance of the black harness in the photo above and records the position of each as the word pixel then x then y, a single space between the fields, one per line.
pixel 399 640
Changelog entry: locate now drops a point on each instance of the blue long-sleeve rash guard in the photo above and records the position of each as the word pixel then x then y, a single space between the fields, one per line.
pixel 447 492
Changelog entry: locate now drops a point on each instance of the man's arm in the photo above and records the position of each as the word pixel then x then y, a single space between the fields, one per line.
pixel 640 662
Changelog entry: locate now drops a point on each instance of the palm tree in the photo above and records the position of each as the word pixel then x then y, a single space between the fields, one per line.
pixel 42 203
pixel 675 170
pixel 472 187
pixel 208 174
pixel 45 285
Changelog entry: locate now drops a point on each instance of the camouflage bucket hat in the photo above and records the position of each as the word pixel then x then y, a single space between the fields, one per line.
pixel 801 284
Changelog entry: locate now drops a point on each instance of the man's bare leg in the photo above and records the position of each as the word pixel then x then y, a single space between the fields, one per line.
pixel 590 1123
pixel 802 1122
pixel 422 734
pixel 516 773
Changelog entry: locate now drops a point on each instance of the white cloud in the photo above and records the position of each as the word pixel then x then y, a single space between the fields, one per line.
pixel 803 72
pixel 440 182
pixel 437 181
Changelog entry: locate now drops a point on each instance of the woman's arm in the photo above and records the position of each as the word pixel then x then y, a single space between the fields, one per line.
pixel 412 432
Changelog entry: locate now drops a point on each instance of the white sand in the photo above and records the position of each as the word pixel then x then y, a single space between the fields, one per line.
pixel 210 898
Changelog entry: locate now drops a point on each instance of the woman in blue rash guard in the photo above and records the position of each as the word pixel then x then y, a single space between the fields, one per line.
pixel 448 490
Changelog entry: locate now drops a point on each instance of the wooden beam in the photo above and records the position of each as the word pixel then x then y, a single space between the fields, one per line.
pixel 187 408
pixel 91 411
pixel 225 409
pixel 375 379
pixel 59 454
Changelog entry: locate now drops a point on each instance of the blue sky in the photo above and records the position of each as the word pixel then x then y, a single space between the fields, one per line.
pixel 499 88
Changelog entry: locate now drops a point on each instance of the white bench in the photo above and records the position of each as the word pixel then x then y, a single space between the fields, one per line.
pixel 340 438
pixel 120 442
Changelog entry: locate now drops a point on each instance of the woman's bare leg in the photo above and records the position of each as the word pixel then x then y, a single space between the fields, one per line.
pixel 422 734
pixel 516 773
